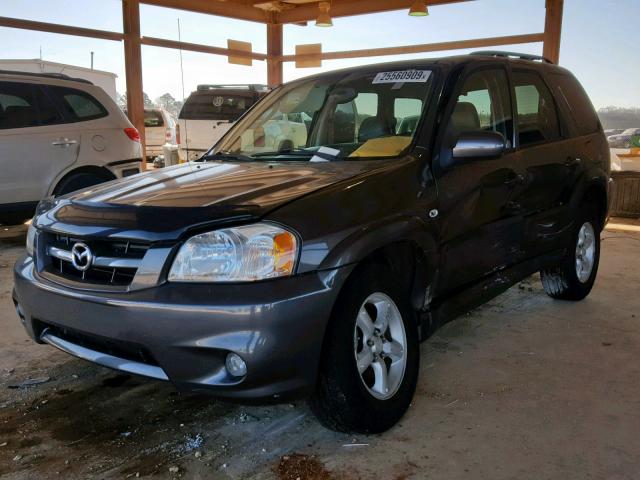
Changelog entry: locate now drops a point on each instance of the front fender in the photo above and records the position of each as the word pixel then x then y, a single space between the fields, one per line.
pixel 365 241
pixel 387 237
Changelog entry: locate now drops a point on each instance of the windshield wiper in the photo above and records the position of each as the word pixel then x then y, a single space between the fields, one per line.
pixel 298 153
pixel 234 157
pixel 291 153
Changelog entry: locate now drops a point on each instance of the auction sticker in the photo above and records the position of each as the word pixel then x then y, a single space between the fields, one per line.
pixel 416 76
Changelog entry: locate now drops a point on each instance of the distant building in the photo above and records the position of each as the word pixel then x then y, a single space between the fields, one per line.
pixel 106 80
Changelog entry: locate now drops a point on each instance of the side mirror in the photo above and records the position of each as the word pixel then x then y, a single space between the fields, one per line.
pixel 481 144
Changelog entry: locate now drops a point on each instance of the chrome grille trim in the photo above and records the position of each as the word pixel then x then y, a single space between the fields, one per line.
pixel 107 262
pixel 114 266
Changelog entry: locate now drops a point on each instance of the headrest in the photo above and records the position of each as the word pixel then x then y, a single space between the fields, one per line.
pixel 374 127
pixel 465 117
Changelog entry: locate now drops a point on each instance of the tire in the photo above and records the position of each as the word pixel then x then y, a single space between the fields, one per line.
pixel 78 181
pixel 570 279
pixel 344 400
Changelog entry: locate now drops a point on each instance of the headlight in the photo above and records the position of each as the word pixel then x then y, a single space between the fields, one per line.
pixel 241 254
pixel 31 238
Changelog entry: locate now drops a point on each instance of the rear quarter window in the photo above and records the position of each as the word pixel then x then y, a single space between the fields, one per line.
pixel 575 100
pixel 78 106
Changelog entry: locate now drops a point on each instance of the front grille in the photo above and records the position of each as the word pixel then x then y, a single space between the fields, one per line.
pixel 114 262
pixel 117 348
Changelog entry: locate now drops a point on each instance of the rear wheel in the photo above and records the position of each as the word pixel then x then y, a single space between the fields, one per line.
pixel 370 361
pixel 78 181
pixel 574 276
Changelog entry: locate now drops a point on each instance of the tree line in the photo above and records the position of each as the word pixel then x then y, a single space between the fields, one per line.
pixel 165 101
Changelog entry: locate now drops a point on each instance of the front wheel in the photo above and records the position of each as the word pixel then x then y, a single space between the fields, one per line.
pixel 370 363
pixel 573 278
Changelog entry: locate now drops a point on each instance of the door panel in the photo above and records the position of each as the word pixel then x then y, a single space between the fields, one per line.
pixel 480 231
pixel 549 162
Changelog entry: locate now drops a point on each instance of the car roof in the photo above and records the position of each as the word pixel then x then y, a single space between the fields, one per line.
pixel 53 76
pixel 480 57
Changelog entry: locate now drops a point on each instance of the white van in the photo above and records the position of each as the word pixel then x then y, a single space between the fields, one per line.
pixel 57 135
pixel 210 111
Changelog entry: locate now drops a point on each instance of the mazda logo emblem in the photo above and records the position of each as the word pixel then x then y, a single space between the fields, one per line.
pixel 81 256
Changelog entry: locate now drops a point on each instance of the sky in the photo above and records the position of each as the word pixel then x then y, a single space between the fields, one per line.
pixel 599 43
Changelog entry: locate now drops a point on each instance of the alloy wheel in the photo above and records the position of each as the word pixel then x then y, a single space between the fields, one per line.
pixel 380 345
pixel 585 252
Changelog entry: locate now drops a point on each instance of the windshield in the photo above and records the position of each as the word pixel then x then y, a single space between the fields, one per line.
pixel 342 116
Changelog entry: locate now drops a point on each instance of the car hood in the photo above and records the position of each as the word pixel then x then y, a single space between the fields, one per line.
pixel 161 205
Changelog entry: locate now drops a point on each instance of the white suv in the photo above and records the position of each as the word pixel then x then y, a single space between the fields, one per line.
pixel 57 135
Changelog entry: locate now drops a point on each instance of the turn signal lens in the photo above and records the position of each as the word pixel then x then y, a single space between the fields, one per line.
pixel 284 252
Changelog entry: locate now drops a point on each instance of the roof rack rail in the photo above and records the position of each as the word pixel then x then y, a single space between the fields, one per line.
pixel 521 56
pixel 57 76
pixel 255 87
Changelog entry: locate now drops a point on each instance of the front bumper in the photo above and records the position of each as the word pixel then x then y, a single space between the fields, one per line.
pixel 185 331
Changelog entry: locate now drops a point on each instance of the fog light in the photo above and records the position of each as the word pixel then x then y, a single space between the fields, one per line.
pixel 235 365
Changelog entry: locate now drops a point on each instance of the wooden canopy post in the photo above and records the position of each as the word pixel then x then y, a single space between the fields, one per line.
pixel 553 30
pixel 133 69
pixel 274 54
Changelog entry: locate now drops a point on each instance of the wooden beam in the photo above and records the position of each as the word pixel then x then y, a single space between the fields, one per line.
pixel 195 47
pixel 426 47
pixel 346 8
pixel 274 52
pixel 57 28
pixel 133 69
pixel 553 30
pixel 228 9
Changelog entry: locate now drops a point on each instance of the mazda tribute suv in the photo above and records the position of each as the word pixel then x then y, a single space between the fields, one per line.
pixel 419 190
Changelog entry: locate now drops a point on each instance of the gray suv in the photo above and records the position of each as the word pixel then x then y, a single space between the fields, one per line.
pixel 421 190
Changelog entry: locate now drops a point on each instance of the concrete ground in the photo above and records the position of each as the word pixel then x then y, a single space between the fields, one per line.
pixel 524 387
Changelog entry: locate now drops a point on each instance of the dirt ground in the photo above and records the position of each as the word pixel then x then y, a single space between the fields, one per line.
pixel 524 387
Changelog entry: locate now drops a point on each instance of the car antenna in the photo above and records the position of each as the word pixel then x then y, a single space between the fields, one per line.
pixel 186 121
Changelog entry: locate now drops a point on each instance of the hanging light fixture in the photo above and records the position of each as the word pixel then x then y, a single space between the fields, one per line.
pixel 324 19
pixel 418 9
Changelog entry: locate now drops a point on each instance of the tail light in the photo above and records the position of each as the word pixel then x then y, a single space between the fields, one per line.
pixel 258 137
pixel 178 134
pixel 132 133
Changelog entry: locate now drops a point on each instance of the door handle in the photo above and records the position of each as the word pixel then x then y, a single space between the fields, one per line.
pixel 517 180
pixel 63 142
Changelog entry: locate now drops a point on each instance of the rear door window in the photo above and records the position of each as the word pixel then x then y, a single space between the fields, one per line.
pixel 24 105
pixel 576 101
pixel 77 105
pixel 537 114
